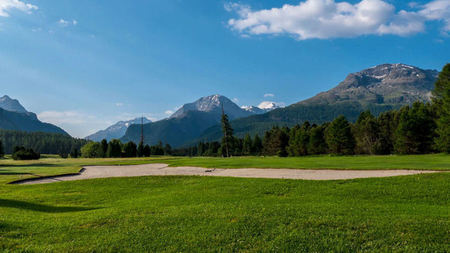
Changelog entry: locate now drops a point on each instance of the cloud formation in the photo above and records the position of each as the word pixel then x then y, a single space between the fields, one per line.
pixel 8 5
pixel 65 23
pixel 267 95
pixel 323 19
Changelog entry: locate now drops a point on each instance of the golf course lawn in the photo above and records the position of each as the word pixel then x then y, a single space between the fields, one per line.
pixel 403 214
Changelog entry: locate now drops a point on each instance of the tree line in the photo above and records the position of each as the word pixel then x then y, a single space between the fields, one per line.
pixel 417 129
pixel 115 148
pixel 44 143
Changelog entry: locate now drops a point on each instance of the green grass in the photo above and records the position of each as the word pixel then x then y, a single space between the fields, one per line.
pixel 148 214
pixel 15 170
pixel 401 214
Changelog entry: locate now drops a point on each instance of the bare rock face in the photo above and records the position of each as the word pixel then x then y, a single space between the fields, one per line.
pixel 382 84
pixel 213 104
pixel 12 105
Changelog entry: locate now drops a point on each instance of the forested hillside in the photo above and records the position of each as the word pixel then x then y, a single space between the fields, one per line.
pixel 44 143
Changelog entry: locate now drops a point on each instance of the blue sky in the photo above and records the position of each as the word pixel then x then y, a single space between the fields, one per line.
pixel 85 64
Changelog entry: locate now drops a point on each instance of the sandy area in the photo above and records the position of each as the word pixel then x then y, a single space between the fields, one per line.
pixel 163 170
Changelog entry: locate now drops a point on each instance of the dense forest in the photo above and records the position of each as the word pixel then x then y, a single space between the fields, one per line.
pixel 115 148
pixel 44 143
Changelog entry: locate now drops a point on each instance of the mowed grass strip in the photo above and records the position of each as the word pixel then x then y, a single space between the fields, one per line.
pixel 55 166
pixel 197 214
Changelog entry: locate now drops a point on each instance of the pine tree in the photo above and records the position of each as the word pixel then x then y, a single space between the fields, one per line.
pixel 130 149
pixel 367 134
pixel 167 149
pixel 147 151
pixel 299 140
pixel 140 149
pixel 104 144
pixel 339 137
pixel 416 129
pixel 114 149
pixel 441 100
pixel 257 146
pixel 227 140
pixel 317 144
pixel 247 145
pixel 2 150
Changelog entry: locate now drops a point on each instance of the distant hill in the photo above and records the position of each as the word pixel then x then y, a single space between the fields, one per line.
pixel 116 131
pixel 188 122
pixel 13 116
pixel 380 88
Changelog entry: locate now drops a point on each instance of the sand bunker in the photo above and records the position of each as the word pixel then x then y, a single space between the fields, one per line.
pixel 91 172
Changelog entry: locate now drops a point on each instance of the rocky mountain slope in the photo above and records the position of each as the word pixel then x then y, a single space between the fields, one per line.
pixel 380 88
pixel 188 122
pixel 213 104
pixel 392 84
pixel 12 105
pixel 24 121
pixel 117 130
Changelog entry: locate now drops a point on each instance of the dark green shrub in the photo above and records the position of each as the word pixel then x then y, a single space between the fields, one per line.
pixel 21 153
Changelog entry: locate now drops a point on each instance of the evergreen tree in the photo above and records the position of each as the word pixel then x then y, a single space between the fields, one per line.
pixel 441 100
pixel 157 149
pixel 74 153
pixel 130 149
pixel 416 130
pixel 387 123
pixel 114 149
pixel 247 145
pixel 367 134
pixel 201 148
pixel 257 146
pixel 276 142
pixel 140 149
pixel 167 149
pixel 147 151
pixel 317 144
pixel 299 140
pixel 104 144
pixel 227 139
pixel 2 150
pixel 339 137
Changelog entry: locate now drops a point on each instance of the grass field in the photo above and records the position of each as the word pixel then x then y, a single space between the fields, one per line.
pixel 400 214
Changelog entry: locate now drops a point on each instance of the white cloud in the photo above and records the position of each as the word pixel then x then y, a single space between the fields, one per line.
pixel 65 23
pixel 269 95
pixel 169 112
pixel 119 104
pixel 8 5
pixel 323 19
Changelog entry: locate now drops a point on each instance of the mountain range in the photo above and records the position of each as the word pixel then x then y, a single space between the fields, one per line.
pixel 378 89
pixel 13 116
pixel 188 122
pixel 117 130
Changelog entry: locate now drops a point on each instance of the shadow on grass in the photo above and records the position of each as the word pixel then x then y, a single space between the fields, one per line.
pixel 11 173
pixel 41 208
pixel 30 165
